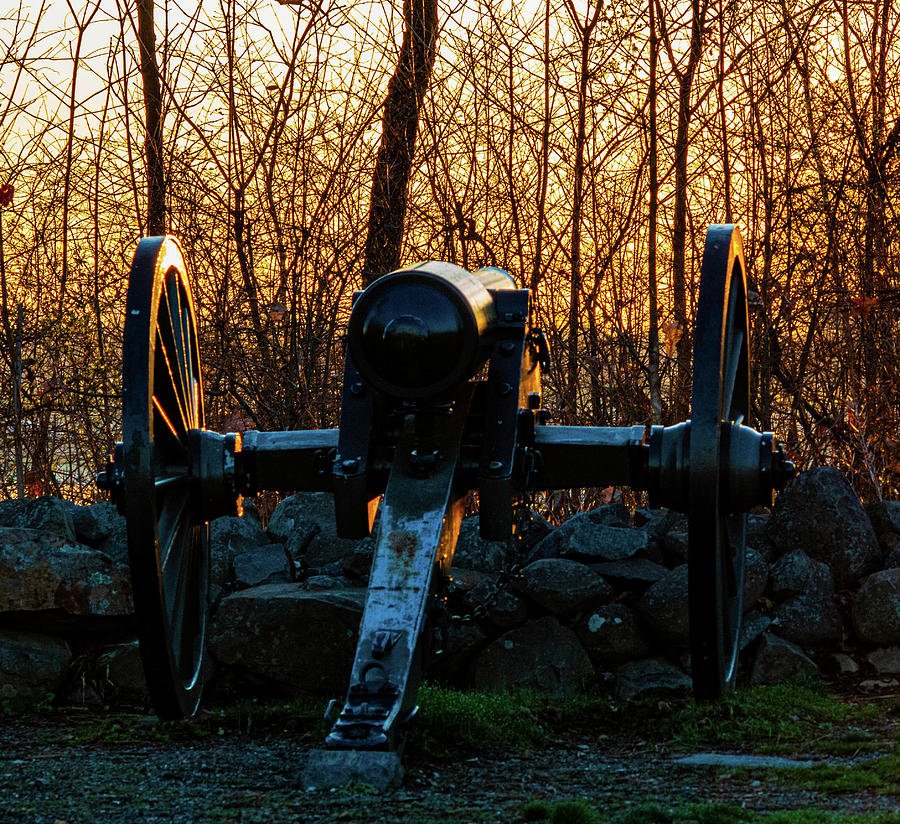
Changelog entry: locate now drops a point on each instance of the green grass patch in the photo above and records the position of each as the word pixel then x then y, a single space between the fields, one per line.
pixel 766 719
pixel 880 775
pixel 451 720
pixel 716 813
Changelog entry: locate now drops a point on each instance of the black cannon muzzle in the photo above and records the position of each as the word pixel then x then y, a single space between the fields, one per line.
pixel 417 332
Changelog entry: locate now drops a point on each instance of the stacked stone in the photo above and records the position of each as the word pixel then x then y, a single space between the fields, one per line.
pixel 601 598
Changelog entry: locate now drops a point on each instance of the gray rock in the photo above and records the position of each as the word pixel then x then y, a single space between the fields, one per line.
pixel 42 571
pixel 268 564
pixel 876 608
pixel 229 537
pixel 614 514
pixel 821 514
pixel 502 607
pixel 756 577
pixel 612 634
pixel 473 552
pixel 650 677
pixel 48 514
pixel 720 759
pixel 457 644
pixel 808 621
pixel 326 769
pixel 591 536
pixel 778 660
pixel 885 660
pixel 808 615
pixel 632 573
pixel 31 667
pixel 536 528
pixel 542 655
pixel 797 574
pixel 675 545
pixel 844 663
pixel 320 582
pixel 101 526
pixel 123 671
pixel 756 534
pixel 892 559
pixel 654 523
pixel 884 516
pixel 283 633
pixel 753 625
pixel 358 564
pixel 300 516
pixel 665 607
pixel 561 587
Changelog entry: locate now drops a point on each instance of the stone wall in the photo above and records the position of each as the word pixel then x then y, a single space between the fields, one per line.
pixel 600 599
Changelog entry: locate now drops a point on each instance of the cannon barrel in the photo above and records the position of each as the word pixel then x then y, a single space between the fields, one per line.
pixel 416 333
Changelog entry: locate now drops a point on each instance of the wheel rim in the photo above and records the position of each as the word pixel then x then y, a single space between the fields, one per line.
pixel 162 403
pixel 720 395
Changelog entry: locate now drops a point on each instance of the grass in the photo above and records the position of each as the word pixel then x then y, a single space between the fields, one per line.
pixel 450 721
pixel 879 775
pixel 568 812
pixel 770 719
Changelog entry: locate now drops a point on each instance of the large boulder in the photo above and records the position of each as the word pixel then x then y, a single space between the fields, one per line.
pixel 599 535
pixel 650 677
pixel 756 577
pixel 32 667
pixel 305 523
pixel 779 660
pixel 43 571
pixel 562 587
pixel 304 641
pixel 229 537
pixel 876 608
pixel 48 514
pixel 542 655
pixel 269 564
pixel 497 603
pixel 612 634
pixel 807 614
pixel 665 607
pixel 102 527
pixel 820 514
pixel 474 552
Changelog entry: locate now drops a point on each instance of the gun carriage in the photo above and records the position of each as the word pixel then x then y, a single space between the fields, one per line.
pixel 441 396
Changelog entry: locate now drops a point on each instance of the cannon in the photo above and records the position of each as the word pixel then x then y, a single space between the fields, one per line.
pixel 441 396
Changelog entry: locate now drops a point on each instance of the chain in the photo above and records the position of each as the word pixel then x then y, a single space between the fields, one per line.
pixel 517 548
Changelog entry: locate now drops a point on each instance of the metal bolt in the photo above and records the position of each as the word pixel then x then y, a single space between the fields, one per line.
pixel 507 347
pixel 350 466
pixel 504 389
pixel 357 388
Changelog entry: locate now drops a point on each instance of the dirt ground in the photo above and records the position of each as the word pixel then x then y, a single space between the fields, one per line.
pixel 70 766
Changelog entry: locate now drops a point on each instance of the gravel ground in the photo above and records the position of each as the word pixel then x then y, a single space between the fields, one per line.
pixel 48 774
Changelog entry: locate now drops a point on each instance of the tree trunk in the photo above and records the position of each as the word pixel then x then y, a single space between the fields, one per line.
pixel 653 218
pixel 681 401
pixel 393 165
pixel 153 121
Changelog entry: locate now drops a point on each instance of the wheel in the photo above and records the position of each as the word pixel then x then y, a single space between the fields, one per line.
pixel 720 395
pixel 168 549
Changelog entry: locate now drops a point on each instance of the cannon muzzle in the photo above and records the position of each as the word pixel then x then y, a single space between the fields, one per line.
pixel 416 333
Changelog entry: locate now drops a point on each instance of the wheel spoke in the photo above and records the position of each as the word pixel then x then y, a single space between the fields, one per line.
pixel 732 364
pixel 191 385
pixel 172 522
pixel 176 385
pixel 168 483
pixel 173 315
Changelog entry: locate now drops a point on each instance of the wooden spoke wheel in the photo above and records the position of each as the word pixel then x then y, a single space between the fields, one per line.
pixel 162 405
pixel 721 393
